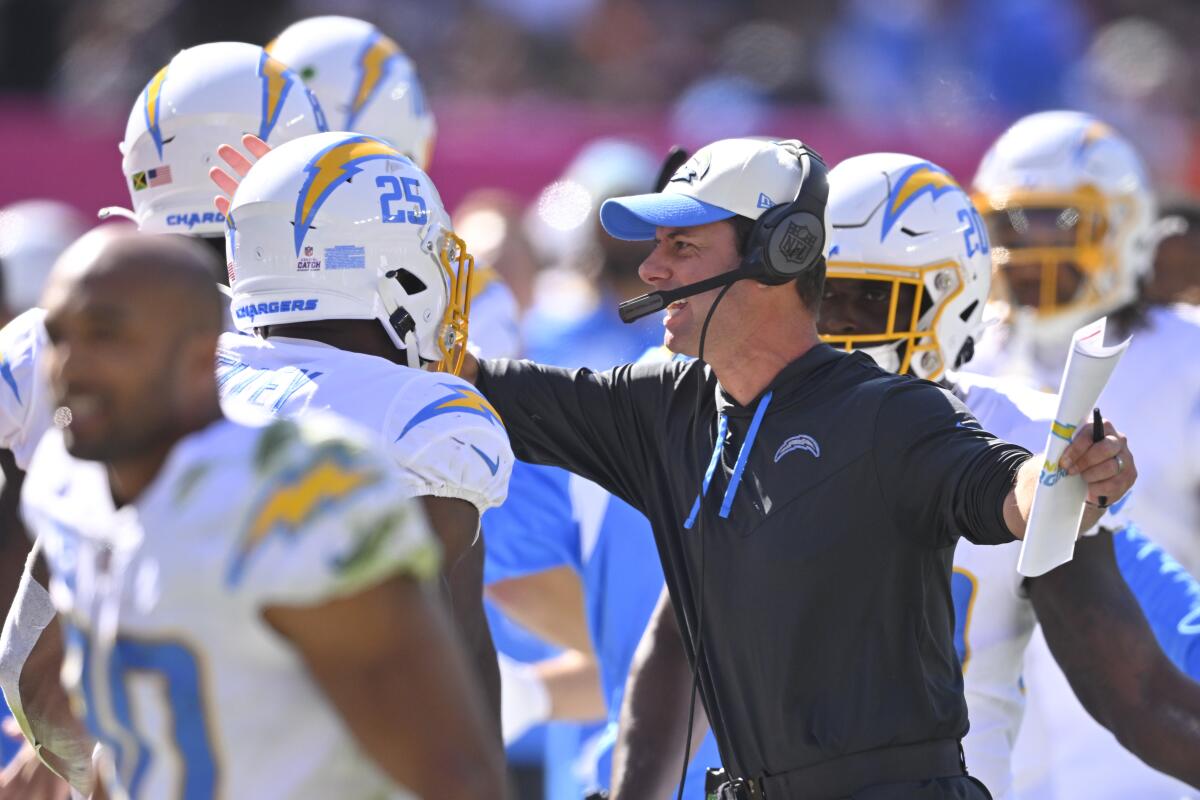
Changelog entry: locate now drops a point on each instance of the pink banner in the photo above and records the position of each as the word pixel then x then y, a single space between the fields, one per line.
pixel 517 146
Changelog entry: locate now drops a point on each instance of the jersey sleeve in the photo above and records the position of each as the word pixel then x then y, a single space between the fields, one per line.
pixel 534 530
pixel 1167 593
pixel 603 426
pixel 25 412
pixel 326 522
pixel 941 473
pixel 449 442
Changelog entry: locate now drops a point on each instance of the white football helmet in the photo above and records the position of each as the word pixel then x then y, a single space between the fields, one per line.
pixel 342 226
pixel 207 96
pixel 905 223
pixel 1065 194
pixel 32 235
pixel 363 79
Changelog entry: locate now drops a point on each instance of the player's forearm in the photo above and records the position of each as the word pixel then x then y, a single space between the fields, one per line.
pixel 1162 727
pixel 1098 635
pixel 1020 499
pixel 63 741
pixel 654 715
pixel 464 581
pixel 573 683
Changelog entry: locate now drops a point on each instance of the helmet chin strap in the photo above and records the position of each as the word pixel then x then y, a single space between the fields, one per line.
pixel 412 351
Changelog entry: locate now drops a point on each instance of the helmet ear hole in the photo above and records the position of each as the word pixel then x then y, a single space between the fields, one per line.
pixel 408 281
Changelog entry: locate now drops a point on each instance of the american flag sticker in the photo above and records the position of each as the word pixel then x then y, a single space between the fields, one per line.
pixel 159 176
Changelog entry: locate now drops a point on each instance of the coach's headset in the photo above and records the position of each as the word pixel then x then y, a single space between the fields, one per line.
pixel 786 240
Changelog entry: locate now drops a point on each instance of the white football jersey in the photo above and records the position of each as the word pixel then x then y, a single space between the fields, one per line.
pixel 992 637
pixel 25 409
pixel 1153 398
pixel 192 693
pixel 447 439
pixel 1009 674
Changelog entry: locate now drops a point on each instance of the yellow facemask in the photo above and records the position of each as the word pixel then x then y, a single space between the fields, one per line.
pixel 918 337
pixel 452 335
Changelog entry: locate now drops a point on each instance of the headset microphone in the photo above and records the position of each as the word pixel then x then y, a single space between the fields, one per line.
pixel 639 307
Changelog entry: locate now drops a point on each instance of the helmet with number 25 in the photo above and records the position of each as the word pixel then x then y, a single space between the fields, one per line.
pixel 340 226
pixel 908 268
pixel 363 79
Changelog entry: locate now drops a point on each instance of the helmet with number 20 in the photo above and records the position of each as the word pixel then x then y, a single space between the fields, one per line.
pixel 905 224
pixel 342 226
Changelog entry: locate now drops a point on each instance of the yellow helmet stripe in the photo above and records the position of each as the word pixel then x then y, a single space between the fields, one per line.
pixel 151 106
pixel 373 65
pixel 329 169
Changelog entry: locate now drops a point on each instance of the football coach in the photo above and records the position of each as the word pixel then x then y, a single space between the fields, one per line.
pixel 805 503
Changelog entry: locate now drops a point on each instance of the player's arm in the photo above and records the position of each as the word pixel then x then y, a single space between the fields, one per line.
pixel 563 688
pixel 389 662
pixel 456 523
pixel 1095 462
pixel 1100 638
pixel 654 714
pixel 1168 594
pixel 549 603
pixel 31 655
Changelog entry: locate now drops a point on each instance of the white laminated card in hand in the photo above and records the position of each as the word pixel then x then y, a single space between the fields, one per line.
pixel 1058 501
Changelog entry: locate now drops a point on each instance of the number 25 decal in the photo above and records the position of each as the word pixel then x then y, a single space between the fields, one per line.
pixel 402 190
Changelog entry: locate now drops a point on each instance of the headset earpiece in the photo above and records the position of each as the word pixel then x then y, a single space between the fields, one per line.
pixel 789 239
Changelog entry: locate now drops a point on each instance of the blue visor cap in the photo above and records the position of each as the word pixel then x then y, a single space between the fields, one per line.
pixel 634 218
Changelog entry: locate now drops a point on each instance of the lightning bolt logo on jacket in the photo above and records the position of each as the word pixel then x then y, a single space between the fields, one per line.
pixel 152 105
pixel 296 498
pixel 460 399
pixel 329 169
pixel 374 63
pixel 277 81
pixel 915 181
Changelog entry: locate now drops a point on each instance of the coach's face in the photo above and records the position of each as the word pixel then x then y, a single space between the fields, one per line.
pixel 686 255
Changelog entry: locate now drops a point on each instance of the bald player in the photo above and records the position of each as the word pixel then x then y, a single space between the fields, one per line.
pixel 247 609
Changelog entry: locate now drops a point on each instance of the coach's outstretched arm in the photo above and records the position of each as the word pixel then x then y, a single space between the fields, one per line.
pixel 1100 638
pixel 648 757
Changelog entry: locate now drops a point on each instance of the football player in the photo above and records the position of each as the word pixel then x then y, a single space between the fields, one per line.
pixel 206 95
pixel 907 279
pixel 248 609
pixel 1074 228
pixel 366 83
pixel 347 270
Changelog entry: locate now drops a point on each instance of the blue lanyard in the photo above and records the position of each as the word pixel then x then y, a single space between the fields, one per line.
pixel 739 467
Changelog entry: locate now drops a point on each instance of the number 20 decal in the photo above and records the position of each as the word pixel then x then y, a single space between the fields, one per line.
pixel 402 190
pixel 975 235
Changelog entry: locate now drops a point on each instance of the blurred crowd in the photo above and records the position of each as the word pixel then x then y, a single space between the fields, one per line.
pixel 914 63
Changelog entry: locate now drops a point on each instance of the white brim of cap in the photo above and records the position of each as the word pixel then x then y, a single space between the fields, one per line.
pixel 635 218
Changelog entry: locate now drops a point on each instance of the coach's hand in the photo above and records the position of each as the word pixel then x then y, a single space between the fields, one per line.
pixel 1106 466
pixel 228 184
